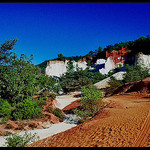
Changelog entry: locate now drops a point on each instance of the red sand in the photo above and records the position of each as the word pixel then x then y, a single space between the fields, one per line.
pixel 125 123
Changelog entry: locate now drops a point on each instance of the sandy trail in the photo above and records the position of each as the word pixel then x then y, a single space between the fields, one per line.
pixel 61 102
pixel 143 138
pixel 117 126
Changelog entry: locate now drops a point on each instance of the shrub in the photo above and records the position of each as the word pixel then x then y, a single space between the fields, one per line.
pixel 135 73
pixel 113 85
pixel 53 95
pixel 90 98
pixel 50 109
pixel 41 100
pixel 72 81
pixel 97 76
pixel 16 140
pixel 28 109
pixel 57 112
pixel 5 108
pixel 45 82
pixel 4 119
pixel 57 87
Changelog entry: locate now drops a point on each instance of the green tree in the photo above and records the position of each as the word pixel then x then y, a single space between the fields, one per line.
pixel 91 53
pixel 60 56
pixel 90 98
pixel 135 73
pixel 45 82
pixel 99 49
pixel 70 67
pixel 75 80
pixel 18 78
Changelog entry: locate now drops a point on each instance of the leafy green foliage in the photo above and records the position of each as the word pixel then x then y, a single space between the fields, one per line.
pixel 42 66
pixel 57 87
pixel 16 140
pixel 90 98
pixel 57 112
pixel 75 80
pixel 141 44
pixel 135 73
pixel 113 85
pixel 70 66
pixel 27 109
pixel 61 57
pixel 45 82
pixel 5 108
pixel 18 79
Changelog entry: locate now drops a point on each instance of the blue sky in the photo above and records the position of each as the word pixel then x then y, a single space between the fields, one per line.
pixel 73 29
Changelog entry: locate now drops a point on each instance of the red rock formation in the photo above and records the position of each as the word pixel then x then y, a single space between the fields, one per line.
pixel 118 56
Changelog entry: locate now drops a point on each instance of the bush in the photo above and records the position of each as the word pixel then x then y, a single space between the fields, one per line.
pixel 16 140
pixel 45 82
pixel 113 85
pixel 5 108
pixel 72 81
pixel 4 120
pixel 50 109
pixel 57 112
pixel 57 88
pixel 53 95
pixel 135 73
pixel 41 100
pixel 90 98
pixel 28 109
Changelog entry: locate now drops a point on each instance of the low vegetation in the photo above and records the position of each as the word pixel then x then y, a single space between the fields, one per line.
pixel 74 80
pixel 57 112
pixel 113 85
pixel 135 73
pixel 16 140
pixel 20 80
pixel 90 99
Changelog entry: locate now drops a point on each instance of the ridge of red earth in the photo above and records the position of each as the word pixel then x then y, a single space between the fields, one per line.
pixel 118 125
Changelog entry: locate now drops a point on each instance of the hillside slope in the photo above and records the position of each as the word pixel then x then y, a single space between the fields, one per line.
pixel 118 125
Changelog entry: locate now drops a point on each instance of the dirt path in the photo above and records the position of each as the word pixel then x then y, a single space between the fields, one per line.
pixel 62 101
pixel 117 126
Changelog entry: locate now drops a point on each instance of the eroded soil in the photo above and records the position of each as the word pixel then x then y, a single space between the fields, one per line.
pixel 122 124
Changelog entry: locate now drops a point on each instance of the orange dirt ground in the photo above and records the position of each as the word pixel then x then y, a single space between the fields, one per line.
pixel 125 123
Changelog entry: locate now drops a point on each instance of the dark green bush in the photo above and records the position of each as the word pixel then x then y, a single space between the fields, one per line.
pixel 28 109
pixel 135 73
pixel 53 95
pixel 57 87
pixel 5 108
pixel 4 119
pixel 72 81
pixel 41 100
pixel 57 112
pixel 90 99
pixel 113 85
